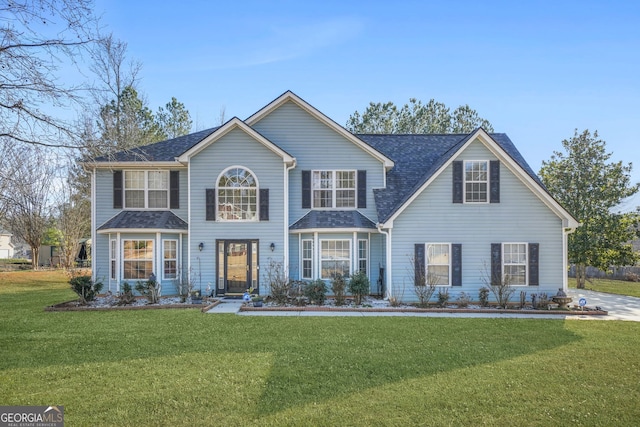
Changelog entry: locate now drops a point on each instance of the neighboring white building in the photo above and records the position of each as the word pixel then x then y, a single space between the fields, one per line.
pixel 7 249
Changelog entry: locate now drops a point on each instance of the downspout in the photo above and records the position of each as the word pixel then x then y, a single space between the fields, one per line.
pixel 286 213
pixel 388 276
pixel 94 234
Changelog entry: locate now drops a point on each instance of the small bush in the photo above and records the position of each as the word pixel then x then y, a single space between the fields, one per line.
pixel 150 289
pixel 394 302
pixel 483 296
pixel 523 299
pixel 85 288
pixel 632 277
pixel 359 286
pixel 339 289
pixel 316 291
pixel 443 297
pixel 277 279
pixel 126 297
pixel 463 300
pixel 540 301
pixel 296 291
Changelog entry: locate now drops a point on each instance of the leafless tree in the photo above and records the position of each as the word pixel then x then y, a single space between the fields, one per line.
pixel 27 178
pixel 38 40
pixel 73 219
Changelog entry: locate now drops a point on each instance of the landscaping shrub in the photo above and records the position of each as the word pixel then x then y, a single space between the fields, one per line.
pixel 339 289
pixel 540 301
pixel 483 296
pixel 359 286
pixel 296 291
pixel 150 289
pixel 523 299
pixel 278 281
pixel 443 297
pixel 85 288
pixel 631 277
pixel 316 291
pixel 126 297
pixel 463 300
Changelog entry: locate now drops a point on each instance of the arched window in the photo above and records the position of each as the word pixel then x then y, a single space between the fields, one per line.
pixel 237 195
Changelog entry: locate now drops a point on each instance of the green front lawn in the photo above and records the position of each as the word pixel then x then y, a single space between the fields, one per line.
pixel 182 367
pixel 619 287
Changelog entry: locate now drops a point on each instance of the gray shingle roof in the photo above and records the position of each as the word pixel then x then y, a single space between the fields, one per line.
pixel 417 158
pixel 158 220
pixel 333 219
pixel 161 151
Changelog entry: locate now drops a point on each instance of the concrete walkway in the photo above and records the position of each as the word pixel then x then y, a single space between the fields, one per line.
pixel 619 308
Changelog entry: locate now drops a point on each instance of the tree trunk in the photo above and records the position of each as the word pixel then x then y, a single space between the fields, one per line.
pixel 35 257
pixel 581 275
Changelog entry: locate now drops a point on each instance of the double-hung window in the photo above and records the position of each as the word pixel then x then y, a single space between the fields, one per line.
pixel 335 258
pixel 334 189
pixel 146 189
pixel 137 259
pixel 514 263
pixel 438 264
pixel 112 258
pixel 170 259
pixel 476 181
pixel 363 255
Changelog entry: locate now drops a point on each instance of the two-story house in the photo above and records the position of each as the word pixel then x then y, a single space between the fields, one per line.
pixel 290 185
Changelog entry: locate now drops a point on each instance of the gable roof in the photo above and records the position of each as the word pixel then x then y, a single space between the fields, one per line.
pixel 163 151
pixel 420 158
pixel 289 96
pixel 234 123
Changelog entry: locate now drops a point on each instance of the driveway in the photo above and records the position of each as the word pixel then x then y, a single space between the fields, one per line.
pixel 620 307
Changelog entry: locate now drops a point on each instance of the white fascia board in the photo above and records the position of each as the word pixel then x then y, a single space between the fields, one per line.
pixel 234 123
pixel 142 230
pixel 290 96
pixel 515 168
pixel 333 230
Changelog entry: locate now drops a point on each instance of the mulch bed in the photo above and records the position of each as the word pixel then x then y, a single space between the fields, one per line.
pixel 75 306
pixel 587 311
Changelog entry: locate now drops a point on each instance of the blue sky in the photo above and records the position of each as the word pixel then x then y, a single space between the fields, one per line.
pixel 536 70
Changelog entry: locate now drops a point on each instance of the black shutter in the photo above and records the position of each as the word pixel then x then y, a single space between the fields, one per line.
pixel 456 264
pixel 496 263
pixel 418 262
pixel 362 189
pixel 117 190
pixel 306 189
pixel 494 181
pixel 174 189
pixel 534 251
pixel 211 204
pixel 264 204
pixel 458 181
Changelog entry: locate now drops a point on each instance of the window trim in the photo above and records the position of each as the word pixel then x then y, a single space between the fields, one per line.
pixel 349 259
pixel 303 259
pixel 525 263
pixel 257 195
pixel 152 259
pixel 145 189
pixel 334 189
pixel 487 182
pixel 113 258
pixel 449 264
pixel 366 258
pixel 164 259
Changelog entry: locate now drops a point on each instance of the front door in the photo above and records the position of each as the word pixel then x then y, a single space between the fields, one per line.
pixel 237 266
